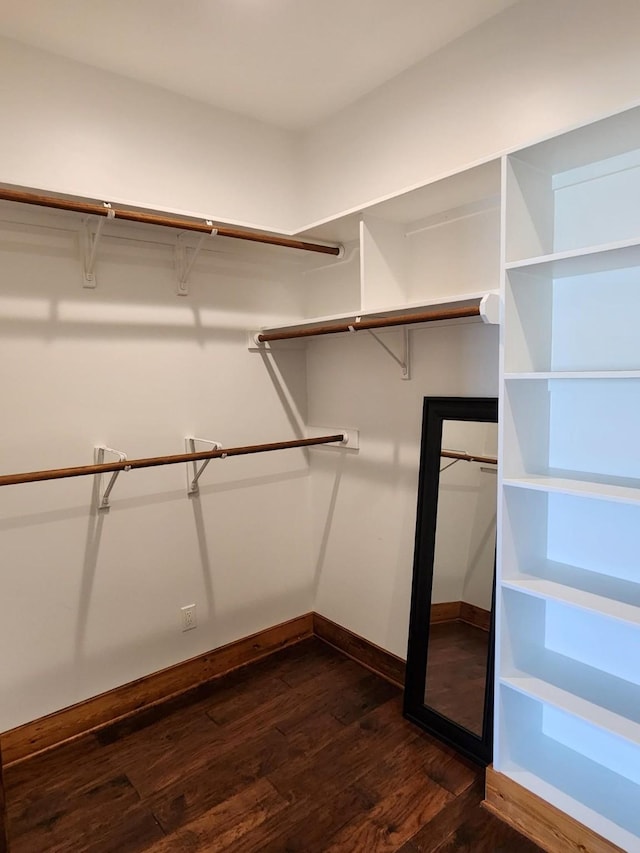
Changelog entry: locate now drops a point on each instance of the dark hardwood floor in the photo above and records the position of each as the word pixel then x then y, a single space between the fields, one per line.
pixel 304 751
pixel 457 672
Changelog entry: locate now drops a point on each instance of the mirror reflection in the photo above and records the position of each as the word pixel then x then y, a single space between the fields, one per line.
pixel 463 570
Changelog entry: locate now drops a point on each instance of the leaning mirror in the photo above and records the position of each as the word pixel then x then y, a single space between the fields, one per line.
pixel 448 688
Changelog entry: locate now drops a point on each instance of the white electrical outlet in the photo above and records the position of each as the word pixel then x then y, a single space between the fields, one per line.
pixel 189 617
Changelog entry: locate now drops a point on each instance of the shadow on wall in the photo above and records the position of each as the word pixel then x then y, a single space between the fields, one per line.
pixel 120 505
pixel 290 386
pixel 95 526
pixel 339 467
pixel 90 563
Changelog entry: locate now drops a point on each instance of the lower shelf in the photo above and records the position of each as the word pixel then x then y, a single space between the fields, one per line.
pixel 534 817
pixel 613 604
pixel 590 818
pixel 573 648
pixel 534 757
pixel 594 714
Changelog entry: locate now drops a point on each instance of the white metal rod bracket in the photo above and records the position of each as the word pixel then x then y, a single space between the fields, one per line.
pixel 350 440
pixel 490 308
pixel 90 243
pixel 98 455
pixel 405 359
pixel 184 263
pixel 194 475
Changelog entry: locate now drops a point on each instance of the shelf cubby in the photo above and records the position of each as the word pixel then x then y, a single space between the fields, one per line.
pixel 572 323
pixel 590 638
pixel 331 286
pixel 433 242
pixel 576 191
pixel 585 770
pixel 552 430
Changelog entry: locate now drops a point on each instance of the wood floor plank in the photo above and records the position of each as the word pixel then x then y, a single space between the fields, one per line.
pixel 191 736
pixel 309 731
pixel 463 827
pixel 369 692
pixel 60 822
pixel 404 798
pixel 342 761
pixel 391 822
pixel 305 826
pixel 484 833
pixel 450 770
pixel 232 704
pixel 224 775
pixel 433 834
pixel 223 826
pixel 64 775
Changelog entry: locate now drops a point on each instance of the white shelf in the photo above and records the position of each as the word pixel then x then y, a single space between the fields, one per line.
pixel 464 300
pixel 584 145
pixel 542 743
pixel 574 808
pixel 582 599
pixel 581 488
pixel 608 256
pixel 574 374
pixel 414 204
pixel 550 694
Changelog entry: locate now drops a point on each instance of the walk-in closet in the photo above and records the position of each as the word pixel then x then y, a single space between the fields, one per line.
pixel 320 382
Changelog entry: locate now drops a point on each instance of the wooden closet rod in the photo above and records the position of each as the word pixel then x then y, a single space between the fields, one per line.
pixel 454 454
pixel 152 462
pixel 154 218
pixel 374 323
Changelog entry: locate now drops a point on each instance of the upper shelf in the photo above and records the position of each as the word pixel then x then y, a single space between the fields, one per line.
pixel 612 491
pixel 434 201
pixel 573 374
pixel 609 137
pixel 609 256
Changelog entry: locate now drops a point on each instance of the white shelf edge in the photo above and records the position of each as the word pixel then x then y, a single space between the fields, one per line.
pixel 459 300
pixel 574 808
pixel 573 254
pixel 573 374
pixel 549 694
pixel 579 488
pixel 554 591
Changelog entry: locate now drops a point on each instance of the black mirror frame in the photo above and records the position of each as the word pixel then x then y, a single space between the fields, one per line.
pixel 478 748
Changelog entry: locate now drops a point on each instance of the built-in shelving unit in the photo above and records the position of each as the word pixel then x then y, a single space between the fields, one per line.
pixel 568 690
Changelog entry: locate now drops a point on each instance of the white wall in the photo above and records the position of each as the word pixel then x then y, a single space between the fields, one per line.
pixel 531 71
pixel 92 601
pixel 71 128
pixel 364 505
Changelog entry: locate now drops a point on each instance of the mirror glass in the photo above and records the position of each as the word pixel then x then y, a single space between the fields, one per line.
pixel 463 571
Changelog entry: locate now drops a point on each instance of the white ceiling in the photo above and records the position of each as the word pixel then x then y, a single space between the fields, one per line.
pixel 288 62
